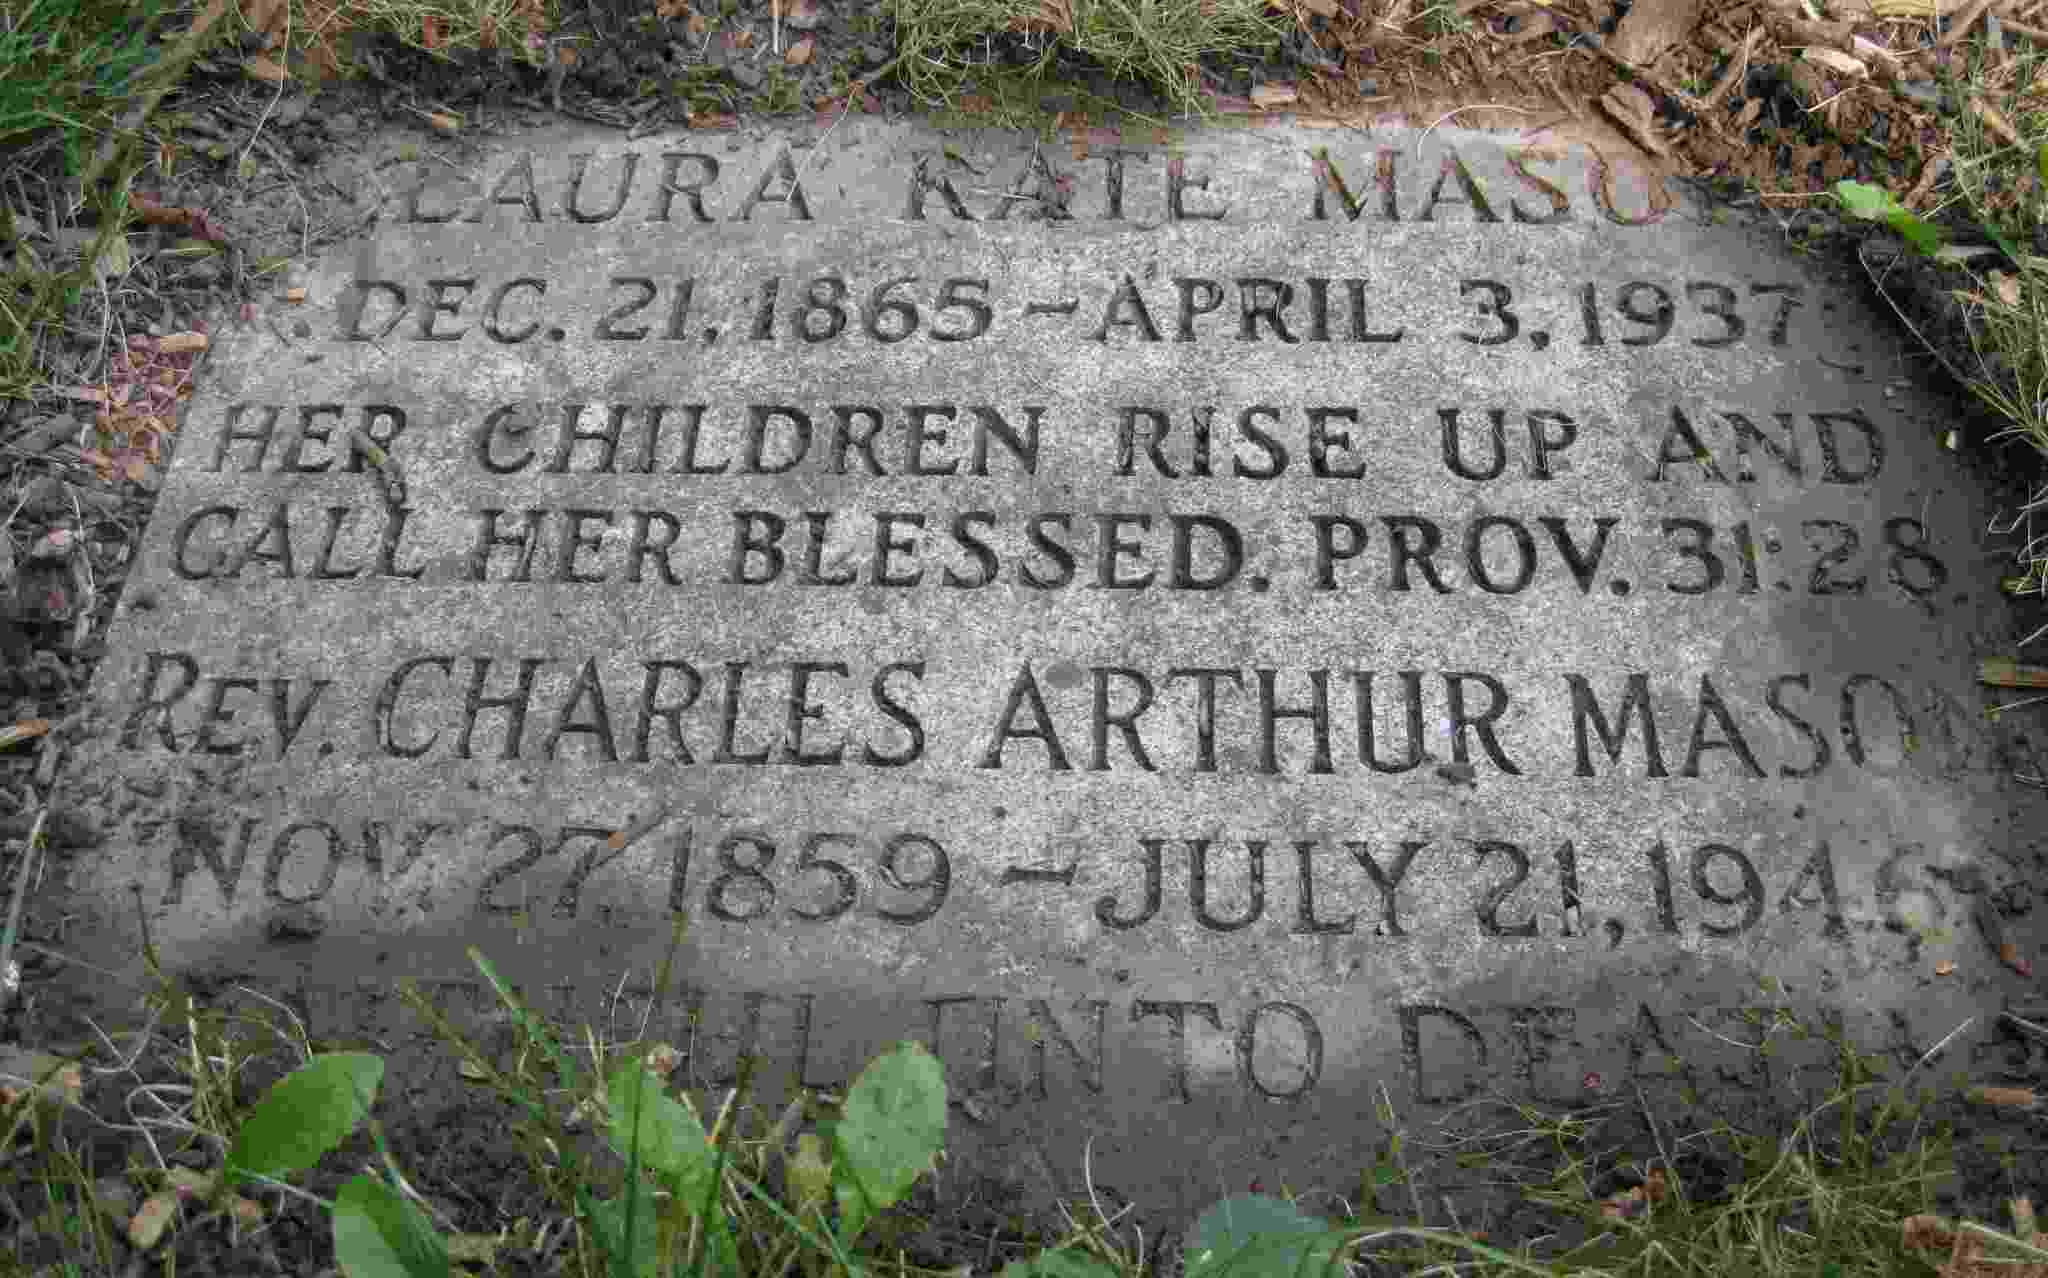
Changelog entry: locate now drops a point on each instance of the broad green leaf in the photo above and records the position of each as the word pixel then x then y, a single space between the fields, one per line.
pixel 891 1126
pixel 1875 204
pixel 672 1141
pixel 1058 1264
pixel 639 1255
pixel 1257 1234
pixel 378 1234
pixel 2041 163
pixel 309 1112
pixel 1860 199
pixel 1998 237
pixel 1923 236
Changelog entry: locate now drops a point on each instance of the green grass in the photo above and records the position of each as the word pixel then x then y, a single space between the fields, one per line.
pixel 81 76
pixel 2000 187
pixel 634 1181
pixel 69 65
pixel 1443 20
pixel 948 49
pixel 67 68
pixel 442 28
pixel 637 1181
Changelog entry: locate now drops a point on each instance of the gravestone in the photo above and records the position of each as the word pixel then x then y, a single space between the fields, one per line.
pixel 1237 642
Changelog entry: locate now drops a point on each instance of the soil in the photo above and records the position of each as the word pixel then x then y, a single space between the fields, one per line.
pixel 277 171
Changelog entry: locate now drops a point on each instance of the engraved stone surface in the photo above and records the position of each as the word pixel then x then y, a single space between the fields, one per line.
pixel 1218 637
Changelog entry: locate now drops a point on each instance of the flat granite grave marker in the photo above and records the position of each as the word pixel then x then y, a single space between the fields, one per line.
pixel 1217 639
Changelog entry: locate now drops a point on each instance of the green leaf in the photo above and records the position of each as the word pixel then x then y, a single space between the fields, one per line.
pixel 638 1256
pixel 1875 204
pixel 1058 1264
pixel 309 1112
pixel 1860 199
pixel 671 1140
pixel 2041 163
pixel 1256 1234
pixel 1998 237
pixel 378 1234
pixel 1922 235
pixel 891 1126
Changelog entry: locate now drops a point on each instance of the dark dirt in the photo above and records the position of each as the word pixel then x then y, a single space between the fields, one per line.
pixel 279 173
